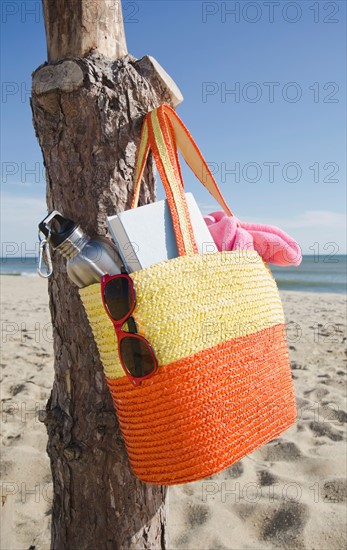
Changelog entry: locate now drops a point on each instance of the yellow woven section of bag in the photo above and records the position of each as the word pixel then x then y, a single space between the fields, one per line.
pixel 190 304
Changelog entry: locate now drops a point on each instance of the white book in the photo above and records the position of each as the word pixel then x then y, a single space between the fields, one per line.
pixel 145 236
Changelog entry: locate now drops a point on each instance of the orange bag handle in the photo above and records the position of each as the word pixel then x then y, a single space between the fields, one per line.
pixel 163 132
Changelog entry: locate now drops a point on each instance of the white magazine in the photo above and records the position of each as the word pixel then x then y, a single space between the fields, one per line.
pixel 144 235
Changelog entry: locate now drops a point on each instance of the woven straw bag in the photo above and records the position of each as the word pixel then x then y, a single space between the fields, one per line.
pixel 216 324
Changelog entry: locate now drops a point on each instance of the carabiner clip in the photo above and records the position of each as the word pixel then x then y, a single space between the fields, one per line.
pixel 45 257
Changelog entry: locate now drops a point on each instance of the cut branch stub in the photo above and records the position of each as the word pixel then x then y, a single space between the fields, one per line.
pixel 153 71
pixel 76 27
pixel 66 77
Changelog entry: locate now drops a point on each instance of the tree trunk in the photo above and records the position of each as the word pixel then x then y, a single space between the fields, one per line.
pixel 75 27
pixel 87 114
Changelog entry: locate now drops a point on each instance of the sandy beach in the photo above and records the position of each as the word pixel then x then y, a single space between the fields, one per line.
pixel 289 494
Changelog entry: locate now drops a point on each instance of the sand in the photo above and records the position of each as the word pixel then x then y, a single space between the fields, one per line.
pixel 289 494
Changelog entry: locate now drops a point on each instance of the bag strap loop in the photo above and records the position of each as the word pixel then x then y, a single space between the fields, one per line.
pixel 163 132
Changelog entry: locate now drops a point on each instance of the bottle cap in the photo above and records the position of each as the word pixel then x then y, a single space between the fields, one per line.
pixel 56 228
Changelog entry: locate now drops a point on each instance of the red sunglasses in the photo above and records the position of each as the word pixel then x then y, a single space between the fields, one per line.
pixel 135 352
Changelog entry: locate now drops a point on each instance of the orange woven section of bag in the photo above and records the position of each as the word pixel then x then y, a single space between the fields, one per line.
pixel 203 413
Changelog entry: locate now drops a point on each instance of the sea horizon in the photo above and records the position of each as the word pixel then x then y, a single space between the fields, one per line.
pixel 314 274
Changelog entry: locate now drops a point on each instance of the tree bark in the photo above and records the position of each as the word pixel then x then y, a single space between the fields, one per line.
pixel 87 114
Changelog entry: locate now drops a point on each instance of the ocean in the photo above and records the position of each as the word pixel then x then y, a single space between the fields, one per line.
pixel 315 274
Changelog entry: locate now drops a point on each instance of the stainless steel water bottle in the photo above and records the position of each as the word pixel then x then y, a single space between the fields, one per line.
pixel 87 258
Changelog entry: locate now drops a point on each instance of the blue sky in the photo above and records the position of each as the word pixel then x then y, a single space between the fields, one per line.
pixel 277 144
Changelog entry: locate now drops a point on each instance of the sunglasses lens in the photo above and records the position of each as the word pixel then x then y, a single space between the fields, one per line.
pixel 118 297
pixel 136 356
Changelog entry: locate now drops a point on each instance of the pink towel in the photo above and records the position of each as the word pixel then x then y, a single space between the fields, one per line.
pixel 271 243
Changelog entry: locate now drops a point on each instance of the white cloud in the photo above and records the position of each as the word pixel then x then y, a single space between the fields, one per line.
pixel 309 218
pixel 19 220
pixel 317 218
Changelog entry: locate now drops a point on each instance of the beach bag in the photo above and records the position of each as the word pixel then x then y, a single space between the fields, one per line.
pixel 215 321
